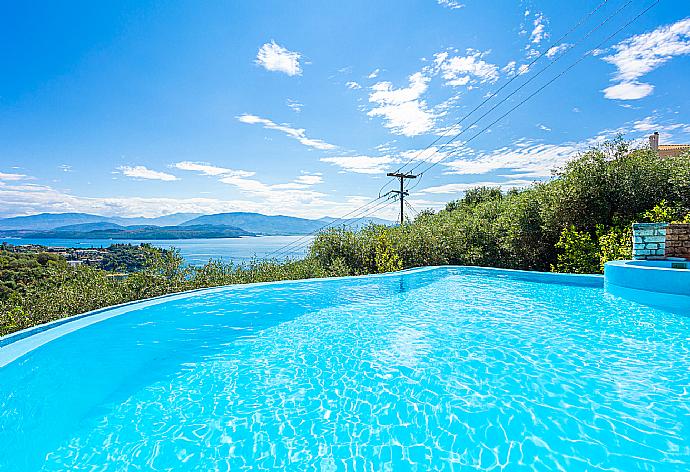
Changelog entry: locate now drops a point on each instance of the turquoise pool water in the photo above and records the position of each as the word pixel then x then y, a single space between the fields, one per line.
pixel 434 369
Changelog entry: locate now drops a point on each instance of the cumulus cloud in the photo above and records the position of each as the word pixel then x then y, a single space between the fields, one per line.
pixel 353 85
pixel 556 50
pixel 276 58
pixel 628 91
pixel 205 168
pixel 403 110
pixel 464 70
pixel 296 133
pixel 374 74
pixel 638 55
pixel 142 172
pixel 539 31
pixel 509 69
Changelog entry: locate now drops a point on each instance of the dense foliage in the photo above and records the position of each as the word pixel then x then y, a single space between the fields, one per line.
pixel 573 223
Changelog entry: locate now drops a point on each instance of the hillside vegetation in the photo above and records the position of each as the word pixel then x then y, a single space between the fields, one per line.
pixel 573 223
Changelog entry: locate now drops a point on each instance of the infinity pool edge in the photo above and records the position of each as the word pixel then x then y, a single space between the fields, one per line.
pixel 17 344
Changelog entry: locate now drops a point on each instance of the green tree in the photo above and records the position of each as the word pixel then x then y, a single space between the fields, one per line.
pixel 579 253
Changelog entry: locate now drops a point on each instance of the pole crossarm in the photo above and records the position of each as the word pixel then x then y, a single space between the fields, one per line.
pixel 401 193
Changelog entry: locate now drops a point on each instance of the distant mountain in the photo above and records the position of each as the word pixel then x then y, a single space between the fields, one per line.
pixel 279 225
pixel 46 221
pixel 83 227
pixel 133 232
pixel 77 225
pixel 167 220
pixel 260 224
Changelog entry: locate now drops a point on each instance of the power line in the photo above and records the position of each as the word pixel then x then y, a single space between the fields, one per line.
pixel 355 221
pixel 565 71
pixel 411 208
pixel 281 249
pixel 304 241
pixel 527 82
pixel 494 94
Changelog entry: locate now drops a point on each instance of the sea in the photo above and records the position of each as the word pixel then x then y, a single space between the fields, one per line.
pixel 199 251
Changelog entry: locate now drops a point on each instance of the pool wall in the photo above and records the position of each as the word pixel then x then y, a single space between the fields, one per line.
pixel 654 282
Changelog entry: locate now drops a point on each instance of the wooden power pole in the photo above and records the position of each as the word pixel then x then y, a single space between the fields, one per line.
pixel 402 193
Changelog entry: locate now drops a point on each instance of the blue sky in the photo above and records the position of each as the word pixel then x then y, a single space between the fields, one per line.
pixel 299 108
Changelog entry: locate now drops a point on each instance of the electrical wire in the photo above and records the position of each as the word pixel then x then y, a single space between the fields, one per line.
pixel 562 73
pixel 299 244
pixel 494 94
pixel 527 82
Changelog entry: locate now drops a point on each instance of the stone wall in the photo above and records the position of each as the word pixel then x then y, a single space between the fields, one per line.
pixel 649 240
pixel 678 240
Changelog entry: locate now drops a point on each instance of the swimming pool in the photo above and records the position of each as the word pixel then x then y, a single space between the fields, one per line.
pixel 436 368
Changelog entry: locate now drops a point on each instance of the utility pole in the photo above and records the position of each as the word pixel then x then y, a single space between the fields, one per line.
pixel 402 193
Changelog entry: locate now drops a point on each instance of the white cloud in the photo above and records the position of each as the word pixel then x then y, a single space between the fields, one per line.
pixel 452 4
pixel 208 169
pixel 276 58
pixel 353 85
pixel 297 133
pixel 509 69
pixel 640 54
pixel 12 177
pixel 309 179
pixel 524 157
pixel 432 154
pixel 29 199
pixel 402 109
pixel 665 127
pixel 294 105
pixel 141 172
pixel 555 50
pixel 543 127
pixel 464 70
pixel 374 74
pixel 628 91
pixel 539 31
pixel 463 187
pixel 362 164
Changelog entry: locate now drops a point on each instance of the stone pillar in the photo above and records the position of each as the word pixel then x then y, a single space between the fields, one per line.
pixel 649 240
pixel 678 240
